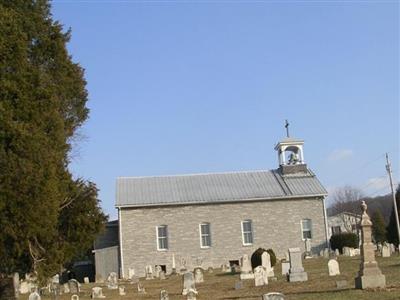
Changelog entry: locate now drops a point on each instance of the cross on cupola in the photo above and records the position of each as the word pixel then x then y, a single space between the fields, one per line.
pixel 290 154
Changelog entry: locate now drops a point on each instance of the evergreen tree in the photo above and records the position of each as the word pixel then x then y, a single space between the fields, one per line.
pixel 378 227
pixel 46 217
pixel 392 227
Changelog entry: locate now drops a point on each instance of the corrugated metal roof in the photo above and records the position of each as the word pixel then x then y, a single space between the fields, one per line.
pixel 214 188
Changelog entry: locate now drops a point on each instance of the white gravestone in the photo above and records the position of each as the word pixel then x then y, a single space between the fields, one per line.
pixel 188 283
pixel 34 296
pixel 97 293
pixel 74 286
pixel 131 273
pixel 121 290
pixel 273 296
pixel 307 245
pixel 385 250
pixel 149 272
pixel 198 275
pixel 296 272
pixel 266 263
pixel 66 288
pixel 24 287
pixel 74 297
pixel 346 251
pixel 246 271
pixel 260 276
pixel 337 252
pixel 164 295
pixel 333 267
pixel 285 267
pixel 157 271
pixel 141 289
pixel 191 295
pixel 112 281
pixel 162 275
pixel 86 280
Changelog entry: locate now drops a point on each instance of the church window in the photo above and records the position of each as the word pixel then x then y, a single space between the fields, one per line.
pixel 205 235
pixel 306 228
pixel 247 232
pixel 162 237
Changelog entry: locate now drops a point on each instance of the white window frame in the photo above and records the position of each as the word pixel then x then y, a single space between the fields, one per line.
pixel 302 229
pixel 243 232
pixel 166 237
pixel 201 235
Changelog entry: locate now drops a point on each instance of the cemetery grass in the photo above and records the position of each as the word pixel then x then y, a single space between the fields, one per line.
pixel 221 285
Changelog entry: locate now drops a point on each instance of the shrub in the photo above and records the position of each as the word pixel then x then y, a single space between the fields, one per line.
pixel 348 239
pixel 256 257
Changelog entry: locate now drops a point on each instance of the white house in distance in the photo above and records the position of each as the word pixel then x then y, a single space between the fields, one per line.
pixel 343 222
pixel 217 218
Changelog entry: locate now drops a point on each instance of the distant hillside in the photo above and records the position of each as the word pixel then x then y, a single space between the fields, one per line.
pixel 384 203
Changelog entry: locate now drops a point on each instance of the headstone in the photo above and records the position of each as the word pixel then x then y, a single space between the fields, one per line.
pixel 341 284
pixel 97 293
pixel 149 272
pixel 369 276
pixel 321 252
pixel 285 267
pixel 121 290
pixel 333 267
pixel 162 275
pixel 66 288
pixel 157 271
pixel 164 295
pixel 34 296
pixel 86 280
pixel 74 297
pixel 173 264
pixel 260 276
pixel 131 273
pixel 24 287
pixel 326 253
pixel 183 268
pixel 191 295
pixel 238 285
pixel 356 252
pixel 246 271
pixel 307 246
pixel 74 286
pixel 266 263
pixel 198 275
pixel 210 270
pixel 223 268
pixel 141 289
pixel 392 248
pixel 337 252
pixel 273 296
pixel 188 283
pixel 296 271
pixel 228 268
pixel 112 281
pixel 351 251
pixel 385 250
pixel 346 251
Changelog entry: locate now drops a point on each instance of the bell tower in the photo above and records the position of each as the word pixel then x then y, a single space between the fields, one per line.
pixel 290 154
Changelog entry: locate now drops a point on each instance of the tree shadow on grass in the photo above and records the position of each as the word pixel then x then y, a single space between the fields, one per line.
pixel 293 293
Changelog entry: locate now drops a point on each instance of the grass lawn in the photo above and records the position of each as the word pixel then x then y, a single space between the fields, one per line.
pixel 221 285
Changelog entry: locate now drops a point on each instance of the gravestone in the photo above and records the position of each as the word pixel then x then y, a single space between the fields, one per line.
pixel 191 295
pixel 273 296
pixel 164 295
pixel 392 248
pixel 285 267
pixel 66 288
pixel 228 268
pixel 97 293
pixel 326 253
pixel 260 276
pixel 112 281
pixel 173 265
pixel 238 285
pixel 157 271
pixel 24 287
pixel 149 272
pixel 385 250
pixel 74 286
pixel 74 297
pixel 121 290
pixel 321 252
pixel 246 271
pixel 210 270
pixel 16 284
pixel 296 271
pixel 198 275
pixel 162 275
pixel 183 268
pixel 346 251
pixel 337 252
pixel 333 267
pixel 141 289
pixel 351 251
pixel 34 296
pixel 266 263
pixel 356 252
pixel 307 246
pixel 131 273
pixel 86 280
pixel 188 283
pixel 369 276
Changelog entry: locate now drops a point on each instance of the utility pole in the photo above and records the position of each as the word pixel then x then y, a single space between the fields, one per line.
pixel 389 170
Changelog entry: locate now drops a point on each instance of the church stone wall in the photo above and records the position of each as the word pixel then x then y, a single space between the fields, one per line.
pixel 276 225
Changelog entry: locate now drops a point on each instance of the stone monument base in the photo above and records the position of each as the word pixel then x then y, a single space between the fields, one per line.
pixel 370 281
pixel 298 276
pixel 246 276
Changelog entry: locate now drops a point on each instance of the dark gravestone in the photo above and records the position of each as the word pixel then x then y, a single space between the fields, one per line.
pixel 7 289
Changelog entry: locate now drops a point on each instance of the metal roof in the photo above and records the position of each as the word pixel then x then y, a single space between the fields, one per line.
pixel 215 188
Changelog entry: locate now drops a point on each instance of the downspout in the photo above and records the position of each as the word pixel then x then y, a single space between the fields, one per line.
pixel 121 257
pixel 326 223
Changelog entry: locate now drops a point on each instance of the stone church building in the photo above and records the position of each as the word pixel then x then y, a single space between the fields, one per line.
pixel 217 218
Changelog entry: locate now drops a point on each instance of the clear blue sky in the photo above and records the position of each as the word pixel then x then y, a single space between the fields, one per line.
pixel 205 86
